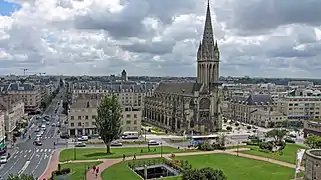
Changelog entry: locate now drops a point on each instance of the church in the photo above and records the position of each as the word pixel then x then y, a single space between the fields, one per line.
pixel 190 106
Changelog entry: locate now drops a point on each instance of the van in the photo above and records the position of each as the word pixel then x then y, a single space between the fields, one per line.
pixel 83 138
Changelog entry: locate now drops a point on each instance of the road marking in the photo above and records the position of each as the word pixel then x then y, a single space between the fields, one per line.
pixel 11 166
pixel 26 151
pixel 49 150
pixel 45 150
pixel 24 167
pixel 41 150
pixel 37 150
pixel 32 172
pixel 21 152
pixel 29 151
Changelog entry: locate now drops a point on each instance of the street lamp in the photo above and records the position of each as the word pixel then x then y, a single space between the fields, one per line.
pixel 161 149
pixel 237 149
pixel 145 128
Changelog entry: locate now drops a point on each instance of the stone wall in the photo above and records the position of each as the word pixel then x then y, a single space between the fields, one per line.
pixel 313 165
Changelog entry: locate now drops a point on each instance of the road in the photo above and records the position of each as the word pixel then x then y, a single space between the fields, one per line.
pixel 28 158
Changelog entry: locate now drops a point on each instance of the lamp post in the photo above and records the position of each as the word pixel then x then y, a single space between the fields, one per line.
pixel 75 148
pixel 161 149
pixel 145 128
pixel 237 149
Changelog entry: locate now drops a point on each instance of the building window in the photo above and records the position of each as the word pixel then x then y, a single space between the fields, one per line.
pixel 128 115
pixel 79 117
pixel 86 117
pixel 93 117
pixel 135 122
pixel 93 123
pixel 72 124
pixel 127 122
pixel 135 115
pixel 71 117
pixel 79 124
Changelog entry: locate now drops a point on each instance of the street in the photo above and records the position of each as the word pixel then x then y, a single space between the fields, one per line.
pixel 30 159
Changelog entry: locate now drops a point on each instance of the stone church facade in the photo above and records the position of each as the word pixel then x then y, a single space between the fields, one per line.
pixel 190 106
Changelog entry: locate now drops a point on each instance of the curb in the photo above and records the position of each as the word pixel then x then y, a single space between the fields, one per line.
pixel 48 164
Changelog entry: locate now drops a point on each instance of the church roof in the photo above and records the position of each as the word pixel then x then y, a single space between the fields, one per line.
pixel 186 87
pixel 254 99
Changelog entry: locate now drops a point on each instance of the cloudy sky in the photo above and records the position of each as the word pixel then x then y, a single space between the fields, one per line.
pixel 265 38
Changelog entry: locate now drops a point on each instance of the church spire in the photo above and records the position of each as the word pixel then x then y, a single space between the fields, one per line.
pixel 208 30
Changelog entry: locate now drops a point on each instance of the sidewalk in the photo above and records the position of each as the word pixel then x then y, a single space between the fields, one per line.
pixel 51 166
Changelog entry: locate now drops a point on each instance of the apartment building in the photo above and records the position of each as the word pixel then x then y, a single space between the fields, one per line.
pixel 13 111
pixel 256 109
pixel 29 93
pixel 301 107
pixel 312 128
pixel 86 99
pixel 2 133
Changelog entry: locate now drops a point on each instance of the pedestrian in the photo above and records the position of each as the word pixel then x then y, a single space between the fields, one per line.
pixel 94 169
pixel 124 157
pixel 134 158
pixel 97 171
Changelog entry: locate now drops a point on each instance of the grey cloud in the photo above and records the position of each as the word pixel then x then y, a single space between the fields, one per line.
pixel 158 48
pixel 259 16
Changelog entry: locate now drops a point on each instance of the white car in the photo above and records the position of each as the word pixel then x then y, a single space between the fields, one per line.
pixel 3 159
pixel 153 143
pixel 38 135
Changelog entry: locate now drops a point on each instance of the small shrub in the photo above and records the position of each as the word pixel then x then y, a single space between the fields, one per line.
pixel 229 128
pixel 65 171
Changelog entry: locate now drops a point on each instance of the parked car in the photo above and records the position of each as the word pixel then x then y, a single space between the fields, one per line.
pixel 83 138
pixel 53 124
pixel 80 144
pixel 153 143
pixel 37 130
pixel 116 144
pixel 3 159
pixel 289 140
pixel 47 123
pixel 64 136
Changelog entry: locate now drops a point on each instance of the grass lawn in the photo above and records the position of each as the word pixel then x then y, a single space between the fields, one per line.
pixel 288 153
pixel 78 169
pixel 100 153
pixel 235 168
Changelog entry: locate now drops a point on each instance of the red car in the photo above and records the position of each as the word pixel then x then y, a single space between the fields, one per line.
pixel 38 143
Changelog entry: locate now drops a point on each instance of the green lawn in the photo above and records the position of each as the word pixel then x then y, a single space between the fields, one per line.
pixel 100 153
pixel 288 154
pixel 78 169
pixel 235 168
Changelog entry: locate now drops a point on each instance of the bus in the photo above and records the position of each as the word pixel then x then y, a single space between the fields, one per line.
pixel 196 140
pixel 130 135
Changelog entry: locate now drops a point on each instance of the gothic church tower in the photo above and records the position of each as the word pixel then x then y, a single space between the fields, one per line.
pixel 208 55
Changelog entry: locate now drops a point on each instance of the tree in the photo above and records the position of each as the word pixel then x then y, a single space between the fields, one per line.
pixel 222 139
pixel 277 134
pixel 213 174
pixel 203 174
pixel 108 120
pixel 313 142
pixel 20 177
pixel 285 124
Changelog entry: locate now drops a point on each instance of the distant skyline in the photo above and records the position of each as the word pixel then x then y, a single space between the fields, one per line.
pixel 257 38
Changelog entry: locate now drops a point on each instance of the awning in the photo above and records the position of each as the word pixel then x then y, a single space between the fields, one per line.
pixel 3 144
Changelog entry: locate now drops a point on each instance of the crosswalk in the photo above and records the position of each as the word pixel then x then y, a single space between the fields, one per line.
pixel 36 150
pixel 48 137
